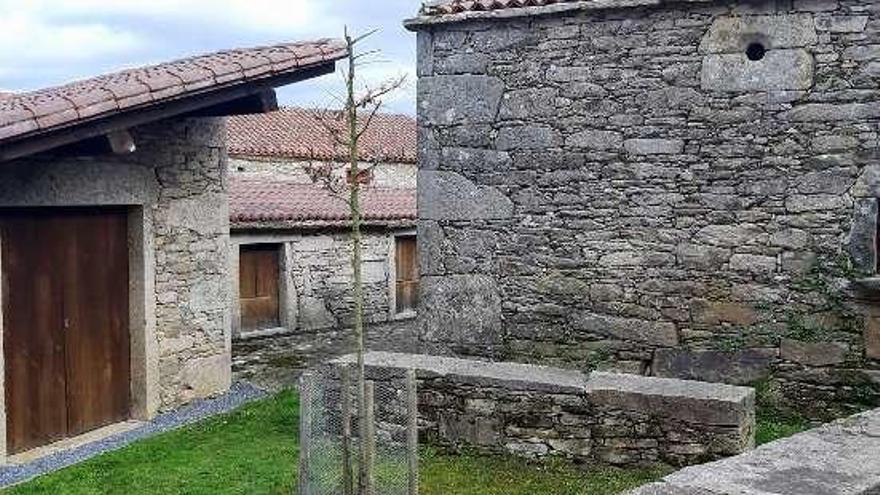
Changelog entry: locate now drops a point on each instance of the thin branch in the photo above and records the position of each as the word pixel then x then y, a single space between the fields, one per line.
pixel 367 54
pixel 362 37
pixel 369 120
pixel 376 94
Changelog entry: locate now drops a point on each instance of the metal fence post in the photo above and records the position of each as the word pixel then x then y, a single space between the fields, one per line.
pixel 370 441
pixel 412 431
pixel 306 390
pixel 347 488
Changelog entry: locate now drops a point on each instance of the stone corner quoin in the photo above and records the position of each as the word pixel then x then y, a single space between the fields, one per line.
pixel 678 189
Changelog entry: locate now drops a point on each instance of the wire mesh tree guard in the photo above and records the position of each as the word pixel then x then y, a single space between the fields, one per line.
pixel 329 443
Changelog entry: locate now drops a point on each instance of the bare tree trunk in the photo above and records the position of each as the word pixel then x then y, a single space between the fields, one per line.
pixel 348 136
pixel 356 258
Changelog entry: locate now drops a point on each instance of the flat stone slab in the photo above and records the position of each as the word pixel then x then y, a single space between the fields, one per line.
pixel 699 402
pixel 522 376
pixel 841 458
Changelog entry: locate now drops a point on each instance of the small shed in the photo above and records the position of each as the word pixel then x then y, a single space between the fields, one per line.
pixel 114 236
pixel 291 243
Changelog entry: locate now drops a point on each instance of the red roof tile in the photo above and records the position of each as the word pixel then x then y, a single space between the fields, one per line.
pixel 63 106
pixel 448 7
pixel 260 202
pixel 300 134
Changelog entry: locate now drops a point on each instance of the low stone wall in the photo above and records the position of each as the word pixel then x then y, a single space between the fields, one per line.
pixel 840 458
pixel 599 417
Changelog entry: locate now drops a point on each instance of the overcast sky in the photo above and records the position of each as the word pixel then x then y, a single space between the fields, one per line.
pixel 48 42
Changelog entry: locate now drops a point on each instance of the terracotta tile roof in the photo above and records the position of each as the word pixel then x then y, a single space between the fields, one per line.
pixel 447 7
pixel 47 109
pixel 266 202
pixel 300 134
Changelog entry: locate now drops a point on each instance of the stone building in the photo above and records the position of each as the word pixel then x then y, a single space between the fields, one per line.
pixel 115 231
pixel 292 301
pixel 677 188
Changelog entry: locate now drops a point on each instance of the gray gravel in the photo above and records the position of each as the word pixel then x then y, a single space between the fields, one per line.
pixel 237 396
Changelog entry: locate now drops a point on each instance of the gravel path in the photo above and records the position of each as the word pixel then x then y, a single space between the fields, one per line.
pixel 237 396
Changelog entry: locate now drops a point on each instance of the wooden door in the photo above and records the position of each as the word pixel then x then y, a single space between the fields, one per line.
pixel 258 287
pixel 65 288
pixel 407 268
pixel 96 323
pixel 36 376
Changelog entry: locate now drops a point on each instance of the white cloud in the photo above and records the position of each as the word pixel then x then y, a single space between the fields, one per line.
pixel 47 42
pixel 277 16
pixel 376 74
pixel 27 40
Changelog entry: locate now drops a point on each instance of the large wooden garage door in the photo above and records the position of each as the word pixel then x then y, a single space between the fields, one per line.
pixel 65 315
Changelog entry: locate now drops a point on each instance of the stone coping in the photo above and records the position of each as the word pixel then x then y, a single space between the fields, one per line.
pixel 423 21
pixel 513 375
pixel 696 402
pixel 708 403
pixel 840 458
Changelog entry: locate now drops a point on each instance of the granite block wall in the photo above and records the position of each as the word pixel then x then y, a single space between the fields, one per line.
pixel 686 189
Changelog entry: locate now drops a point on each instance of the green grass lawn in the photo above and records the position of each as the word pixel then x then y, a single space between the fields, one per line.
pixel 254 450
pixel 444 474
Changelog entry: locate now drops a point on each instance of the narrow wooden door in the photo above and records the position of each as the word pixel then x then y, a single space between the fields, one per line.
pixel 65 288
pixel 258 286
pixel 407 268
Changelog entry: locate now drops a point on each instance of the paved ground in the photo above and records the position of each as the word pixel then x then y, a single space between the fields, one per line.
pixel 239 395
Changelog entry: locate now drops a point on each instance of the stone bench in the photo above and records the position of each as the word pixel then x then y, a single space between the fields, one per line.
pixel 597 417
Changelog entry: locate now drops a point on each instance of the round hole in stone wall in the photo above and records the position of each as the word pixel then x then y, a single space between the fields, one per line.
pixel 756 51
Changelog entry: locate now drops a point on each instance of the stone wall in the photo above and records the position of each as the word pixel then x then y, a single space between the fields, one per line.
pixel 191 230
pixel 839 458
pixel 537 411
pixel 389 175
pixel 175 188
pixel 625 188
